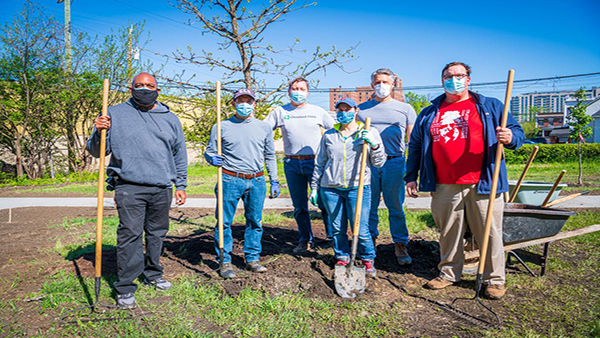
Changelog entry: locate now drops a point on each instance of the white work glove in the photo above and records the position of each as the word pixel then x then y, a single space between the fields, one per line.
pixel 368 137
pixel 313 197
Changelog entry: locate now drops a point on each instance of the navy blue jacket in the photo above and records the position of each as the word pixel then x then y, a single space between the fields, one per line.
pixel 419 148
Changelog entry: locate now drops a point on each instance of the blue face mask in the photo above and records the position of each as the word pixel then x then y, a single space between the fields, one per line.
pixel 243 109
pixel 298 96
pixel 454 85
pixel 345 117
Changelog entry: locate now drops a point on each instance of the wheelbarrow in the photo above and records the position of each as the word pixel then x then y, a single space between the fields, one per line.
pixel 526 225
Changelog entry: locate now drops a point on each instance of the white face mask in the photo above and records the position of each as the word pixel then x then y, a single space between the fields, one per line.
pixel 382 90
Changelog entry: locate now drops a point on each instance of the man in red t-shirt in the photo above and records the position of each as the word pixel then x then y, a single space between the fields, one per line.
pixel 461 145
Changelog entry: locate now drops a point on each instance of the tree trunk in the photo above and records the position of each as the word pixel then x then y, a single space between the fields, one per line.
pixel 579 179
pixel 19 164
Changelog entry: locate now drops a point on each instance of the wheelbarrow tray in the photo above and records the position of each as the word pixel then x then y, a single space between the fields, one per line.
pixel 534 193
pixel 523 222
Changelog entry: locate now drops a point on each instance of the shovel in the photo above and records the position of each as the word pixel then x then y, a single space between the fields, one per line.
pixel 350 280
pixel 219 177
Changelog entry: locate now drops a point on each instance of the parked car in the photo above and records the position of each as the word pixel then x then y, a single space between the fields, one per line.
pixel 535 140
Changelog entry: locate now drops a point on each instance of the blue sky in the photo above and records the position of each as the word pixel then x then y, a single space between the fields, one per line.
pixel 415 39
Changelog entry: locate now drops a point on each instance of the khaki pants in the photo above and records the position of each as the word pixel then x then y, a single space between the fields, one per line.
pixel 456 206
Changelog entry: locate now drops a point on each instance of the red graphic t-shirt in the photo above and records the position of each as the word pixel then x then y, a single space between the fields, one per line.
pixel 457 143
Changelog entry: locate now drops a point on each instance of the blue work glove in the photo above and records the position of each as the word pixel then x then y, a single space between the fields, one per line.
pixel 368 137
pixel 274 189
pixel 313 197
pixel 216 160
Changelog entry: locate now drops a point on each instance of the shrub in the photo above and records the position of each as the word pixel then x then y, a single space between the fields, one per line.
pixel 553 153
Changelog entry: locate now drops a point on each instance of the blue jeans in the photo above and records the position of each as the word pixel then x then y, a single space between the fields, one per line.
pixel 389 180
pixel 298 174
pixel 252 192
pixel 343 202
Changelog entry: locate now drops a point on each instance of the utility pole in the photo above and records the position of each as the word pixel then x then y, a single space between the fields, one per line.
pixel 129 54
pixel 67 34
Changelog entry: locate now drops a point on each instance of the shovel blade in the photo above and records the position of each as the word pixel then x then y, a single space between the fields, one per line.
pixel 350 281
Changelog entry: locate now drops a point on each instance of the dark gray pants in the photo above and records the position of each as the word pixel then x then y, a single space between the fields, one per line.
pixel 142 210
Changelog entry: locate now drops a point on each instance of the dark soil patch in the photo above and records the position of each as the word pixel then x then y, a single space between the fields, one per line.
pixel 27 252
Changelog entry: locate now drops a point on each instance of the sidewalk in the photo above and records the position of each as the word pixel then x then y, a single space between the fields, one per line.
pixel 276 203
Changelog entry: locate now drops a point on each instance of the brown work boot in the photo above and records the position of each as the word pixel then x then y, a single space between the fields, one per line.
pixel 302 247
pixel 402 254
pixel 438 283
pixel 495 291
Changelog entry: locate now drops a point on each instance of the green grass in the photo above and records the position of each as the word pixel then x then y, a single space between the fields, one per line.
pixel 549 173
pixel 194 307
pixel 202 179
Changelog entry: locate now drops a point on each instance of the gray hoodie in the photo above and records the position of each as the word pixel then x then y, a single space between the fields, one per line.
pixel 148 147
pixel 338 159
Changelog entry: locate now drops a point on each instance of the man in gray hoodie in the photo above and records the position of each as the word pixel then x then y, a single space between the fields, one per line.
pixel 148 158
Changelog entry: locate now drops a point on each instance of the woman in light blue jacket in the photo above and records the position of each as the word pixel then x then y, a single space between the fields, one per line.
pixel 337 172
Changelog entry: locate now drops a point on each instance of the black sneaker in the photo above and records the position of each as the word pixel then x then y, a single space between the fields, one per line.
pixel 227 271
pixel 255 267
pixel 126 301
pixel 159 283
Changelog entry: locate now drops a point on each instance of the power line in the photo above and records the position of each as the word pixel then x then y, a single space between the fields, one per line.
pixel 206 86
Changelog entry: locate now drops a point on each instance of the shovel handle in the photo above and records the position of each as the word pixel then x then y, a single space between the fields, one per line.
pixel 567 198
pixel 520 181
pixel 219 172
pixel 359 196
pixel 100 208
pixel 494 188
pixel 560 177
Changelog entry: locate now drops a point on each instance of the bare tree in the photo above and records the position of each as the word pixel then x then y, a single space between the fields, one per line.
pixel 242 25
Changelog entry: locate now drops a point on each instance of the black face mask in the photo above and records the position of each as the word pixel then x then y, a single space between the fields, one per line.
pixel 144 97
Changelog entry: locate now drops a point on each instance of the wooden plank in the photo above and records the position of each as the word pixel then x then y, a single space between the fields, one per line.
pixel 560 235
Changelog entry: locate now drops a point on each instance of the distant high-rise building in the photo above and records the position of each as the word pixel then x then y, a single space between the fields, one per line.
pixel 361 94
pixel 547 102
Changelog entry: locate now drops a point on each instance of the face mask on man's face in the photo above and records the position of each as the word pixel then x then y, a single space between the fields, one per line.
pixel 144 96
pixel 454 85
pixel 382 90
pixel 345 117
pixel 298 96
pixel 244 109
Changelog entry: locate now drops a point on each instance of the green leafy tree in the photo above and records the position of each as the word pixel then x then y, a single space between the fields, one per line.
pixel 29 54
pixel 530 129
pixel 418 102
pixel 579 122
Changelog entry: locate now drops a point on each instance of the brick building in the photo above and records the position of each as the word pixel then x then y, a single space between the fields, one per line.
pixel 361 94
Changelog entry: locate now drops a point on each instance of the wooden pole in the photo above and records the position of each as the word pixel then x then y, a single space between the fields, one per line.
pixel 560 177
pixel 219 174
pixel 100 209
pixel 520 181
pixel 494 187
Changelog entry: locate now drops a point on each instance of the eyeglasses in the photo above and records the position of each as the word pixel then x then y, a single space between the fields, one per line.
pixel 458 76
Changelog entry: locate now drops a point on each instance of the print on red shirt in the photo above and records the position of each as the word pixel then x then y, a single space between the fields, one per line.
pixel 457 143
